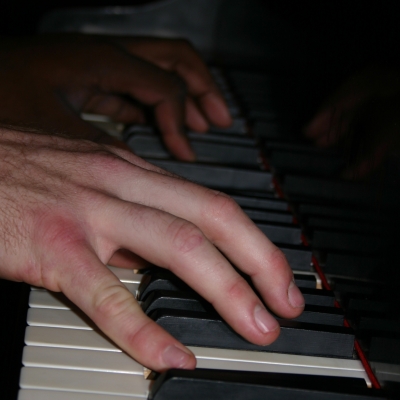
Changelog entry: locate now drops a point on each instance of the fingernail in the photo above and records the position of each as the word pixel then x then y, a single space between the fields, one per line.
pixel 296 299
pixel 175 357
pixel 265 321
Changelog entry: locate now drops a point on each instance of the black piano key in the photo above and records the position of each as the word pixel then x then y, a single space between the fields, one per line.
pixel 164 280
pixel 318 297
pixel 209 330
pixel 384 349
pixel 223 138
pixel 298 257
pixel 173 300
pixel 356 266
pixel 370 323
pixel 219 177
pixel 349 286
pixel 334 191
pixel 356 214
pixel 363 305
pixel 317 164
pixel 344 241
pixel 305 281
pixel 269 216
pixel 339 224
pixel 320 315
pixel 281 233
pixel 260 203
pixel 145 145
pixel 203 384
pixel 160 280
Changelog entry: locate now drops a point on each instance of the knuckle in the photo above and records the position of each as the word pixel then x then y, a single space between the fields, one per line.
pixel 276 261
pixel 237 289
pixel 112 302
pixel 221 209
pixel 108 161
pixel 185 236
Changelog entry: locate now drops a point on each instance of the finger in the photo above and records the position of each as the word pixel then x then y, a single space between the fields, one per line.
pixel 126 259
pixel 156 88
pixel 194 118
pixel 115 107
pixel 220 219
pixel 180 246
pixel 95 290
pixel 180 57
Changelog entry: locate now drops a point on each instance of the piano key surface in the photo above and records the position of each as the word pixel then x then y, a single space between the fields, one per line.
pixel 74 335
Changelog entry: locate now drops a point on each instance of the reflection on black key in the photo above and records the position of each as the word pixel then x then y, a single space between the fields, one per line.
pixel 145 145
pixel 305 281
pixel 260 203
pixel 164 280
pixel 280 233
pixel 269 216
pixel 219 177
pixel 318 297
pixel 203 384
pixel 209 330
pixel 173 300
pixel 298 257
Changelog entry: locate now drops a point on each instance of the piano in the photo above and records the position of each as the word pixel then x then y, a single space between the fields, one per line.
pixel 338 236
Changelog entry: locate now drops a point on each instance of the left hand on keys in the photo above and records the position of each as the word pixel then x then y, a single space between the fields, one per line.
pixel 47 81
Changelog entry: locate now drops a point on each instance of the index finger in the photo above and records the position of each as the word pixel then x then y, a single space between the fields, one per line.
pixel 179 56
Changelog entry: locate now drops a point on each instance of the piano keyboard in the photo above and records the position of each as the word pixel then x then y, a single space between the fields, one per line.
pixel 67 357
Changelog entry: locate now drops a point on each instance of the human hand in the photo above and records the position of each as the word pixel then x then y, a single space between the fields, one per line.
pixel 362 119
pixel 67 207
pixel 47 81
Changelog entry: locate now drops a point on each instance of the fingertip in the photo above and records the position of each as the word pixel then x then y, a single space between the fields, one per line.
pixel 179 146
pixel 216 110
pixel 194 118
pixel 175 356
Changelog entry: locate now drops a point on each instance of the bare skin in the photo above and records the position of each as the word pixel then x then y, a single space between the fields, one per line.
pixel 67 206
pixel 49 80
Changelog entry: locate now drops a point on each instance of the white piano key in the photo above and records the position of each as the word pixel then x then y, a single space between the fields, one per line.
pixel 59 319
pixel 40 298
pixel 34 394
pixel 125 275
pixel 275 362
pixel 83 381
pixel 46 299
pixel 68 338
pixel 89 360
pixel 208 358
pixel 310 273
